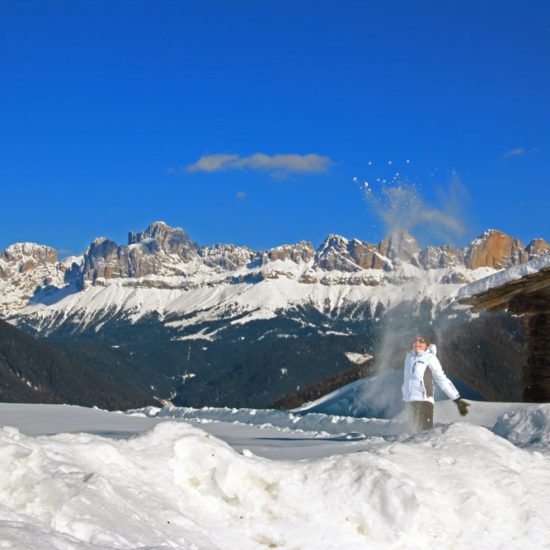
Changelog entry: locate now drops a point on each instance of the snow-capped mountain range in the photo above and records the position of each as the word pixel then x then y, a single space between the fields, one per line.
pixel 162 271
pixel 228 325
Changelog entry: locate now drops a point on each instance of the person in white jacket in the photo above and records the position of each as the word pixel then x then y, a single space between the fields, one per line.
pixel 421 369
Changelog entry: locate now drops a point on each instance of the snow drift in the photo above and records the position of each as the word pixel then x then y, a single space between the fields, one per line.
pixel 177 486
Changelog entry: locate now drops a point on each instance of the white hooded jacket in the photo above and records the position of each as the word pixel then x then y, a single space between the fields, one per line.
pixel 420 370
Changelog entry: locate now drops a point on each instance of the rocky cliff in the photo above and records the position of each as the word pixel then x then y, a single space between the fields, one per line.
pixel 495 249
pixel 25 270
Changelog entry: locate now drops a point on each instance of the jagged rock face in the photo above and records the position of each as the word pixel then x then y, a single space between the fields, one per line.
pixel 226 256
pixel 166 258
pixel 172 240
pixel 495 249
pixel 36 261
pixel 399 245
pixel 157 250
pixel 339 254
pixel 334 254
pixel 27 255
pixel 301 252
pixel 367 255
pixel 537 247
pixel 435 257
pixel 105 259
pixel 26 271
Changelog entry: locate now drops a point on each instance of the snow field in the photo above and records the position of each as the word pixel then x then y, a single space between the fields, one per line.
pixel 177 486
pixel 315 424
pixel 207 297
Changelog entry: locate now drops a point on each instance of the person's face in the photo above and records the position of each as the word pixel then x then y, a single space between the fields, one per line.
pixel 419 344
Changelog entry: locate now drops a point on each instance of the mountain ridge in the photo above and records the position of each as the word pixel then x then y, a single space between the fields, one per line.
pixel 167 251
pixel 163 271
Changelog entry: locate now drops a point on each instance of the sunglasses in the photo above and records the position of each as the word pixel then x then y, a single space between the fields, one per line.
pixel 420 339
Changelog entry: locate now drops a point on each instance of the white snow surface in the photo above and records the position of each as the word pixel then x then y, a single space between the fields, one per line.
pixel 207 479
pixel 207 297
pixel 504 276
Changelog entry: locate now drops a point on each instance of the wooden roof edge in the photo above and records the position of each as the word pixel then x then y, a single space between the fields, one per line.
pixel 506 291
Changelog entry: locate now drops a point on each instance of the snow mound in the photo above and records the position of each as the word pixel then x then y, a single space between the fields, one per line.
pixel 177 486
pixel 526 427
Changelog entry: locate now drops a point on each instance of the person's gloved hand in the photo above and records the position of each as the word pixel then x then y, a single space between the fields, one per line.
pixel 462 406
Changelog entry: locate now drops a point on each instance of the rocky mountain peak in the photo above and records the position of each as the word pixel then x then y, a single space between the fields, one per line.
pixel 337 253
pixel 300 252
pixel 537 247
pixel 495 249
pixel 172 240
pixel 226 256
pixel 400 245
pixel 334 254
pixel 101 243
pixel 154 251
pixel 25 257
pixel 367 255
pixel 102 260
pixel 30 251
pixel 333 242
pixel 436 257
pixel 25 270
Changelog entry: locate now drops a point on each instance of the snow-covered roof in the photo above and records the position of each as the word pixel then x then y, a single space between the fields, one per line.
pixel 504 277
pixel 506 283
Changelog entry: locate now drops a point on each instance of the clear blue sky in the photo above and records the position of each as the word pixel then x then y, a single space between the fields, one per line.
pixel 107 107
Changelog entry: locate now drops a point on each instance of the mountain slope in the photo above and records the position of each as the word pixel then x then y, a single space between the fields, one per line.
pixel 32 371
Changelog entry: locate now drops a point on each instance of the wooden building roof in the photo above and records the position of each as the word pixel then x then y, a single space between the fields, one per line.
pixel 529 293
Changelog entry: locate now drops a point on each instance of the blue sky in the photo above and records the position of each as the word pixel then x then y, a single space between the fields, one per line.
pixel 247 121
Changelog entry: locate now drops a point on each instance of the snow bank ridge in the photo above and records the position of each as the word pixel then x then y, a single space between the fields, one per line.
pixel 177 486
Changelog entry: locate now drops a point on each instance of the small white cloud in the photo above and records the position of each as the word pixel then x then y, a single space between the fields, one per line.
pixel 241 195
pixel 276 165
pixel 518 152
pixel 214 163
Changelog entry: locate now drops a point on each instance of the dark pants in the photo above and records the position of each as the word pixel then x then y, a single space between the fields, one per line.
pixel 421 415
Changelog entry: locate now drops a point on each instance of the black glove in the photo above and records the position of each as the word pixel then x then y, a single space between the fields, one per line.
pixel 462 406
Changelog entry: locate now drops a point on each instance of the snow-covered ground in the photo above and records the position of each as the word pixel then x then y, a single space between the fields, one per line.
pixel 75 478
